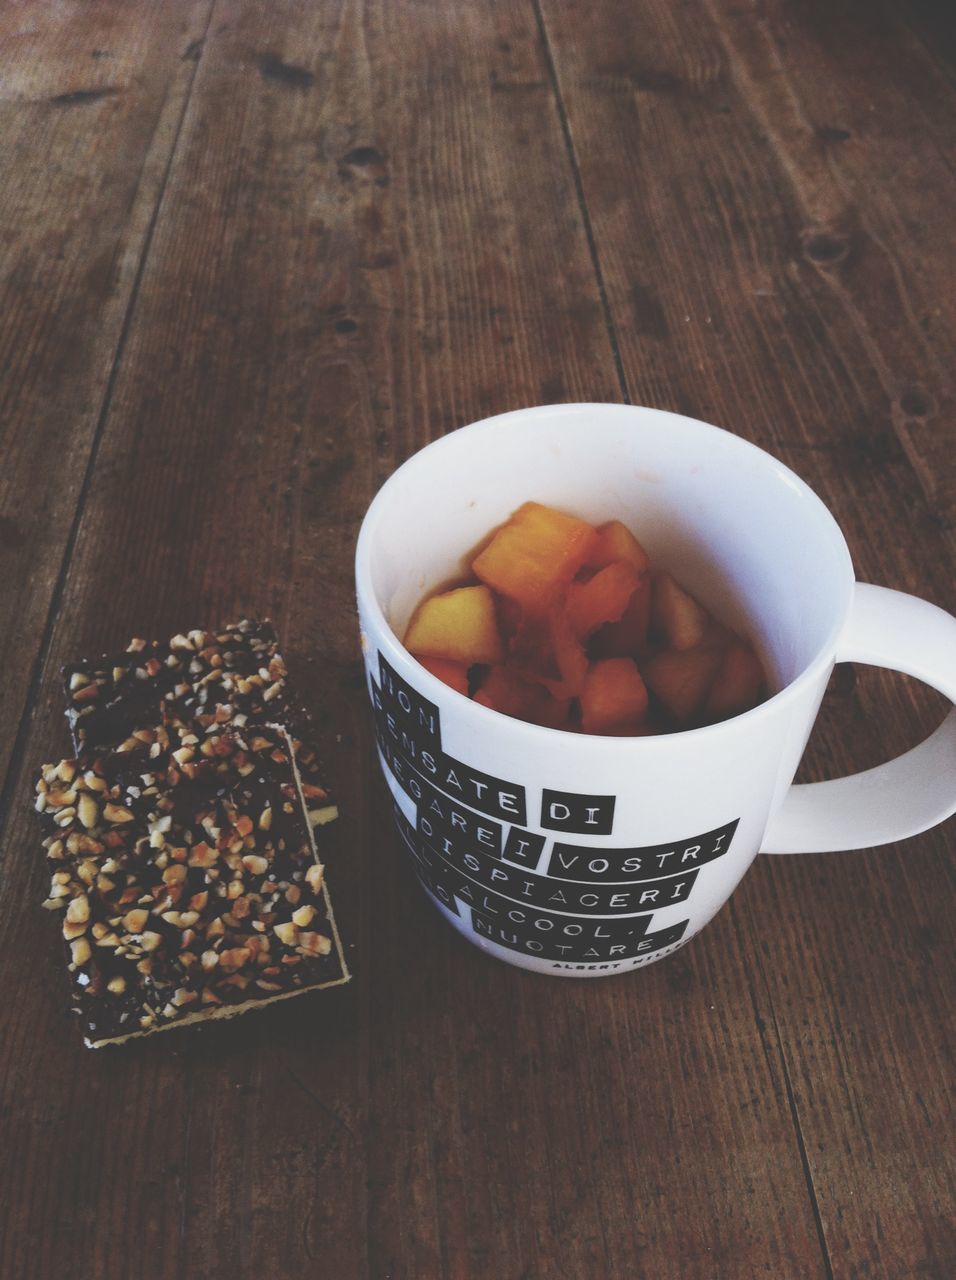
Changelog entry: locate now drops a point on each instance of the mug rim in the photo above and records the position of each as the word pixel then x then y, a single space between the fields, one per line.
pixel 437 689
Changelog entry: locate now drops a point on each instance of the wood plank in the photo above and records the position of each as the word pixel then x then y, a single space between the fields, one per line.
pixel 350 260
pixel 90 102
pixel 842 113
pixel 680 145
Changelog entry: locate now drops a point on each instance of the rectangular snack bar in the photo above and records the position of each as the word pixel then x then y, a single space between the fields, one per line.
pixel 187 893
pixel 180 838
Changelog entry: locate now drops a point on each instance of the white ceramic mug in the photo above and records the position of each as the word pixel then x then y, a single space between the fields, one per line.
pixel 585 855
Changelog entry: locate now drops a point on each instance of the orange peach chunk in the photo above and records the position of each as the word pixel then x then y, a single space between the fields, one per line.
pixel 614 695
pixel 505 691
pixel 602 598
pixel 739 684
pixel 454 674
pixel 628 637
pixel 616 542
pixel 534 555
pixel 681 680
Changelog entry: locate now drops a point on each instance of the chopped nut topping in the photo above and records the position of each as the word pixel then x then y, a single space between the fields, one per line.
pixel 87 871
pixel 116 813
pixel 78 911
pixel 202 855
pixel 218 864
pixel 135 921
pixel 88 812
pixel 315 944
pixel 233 958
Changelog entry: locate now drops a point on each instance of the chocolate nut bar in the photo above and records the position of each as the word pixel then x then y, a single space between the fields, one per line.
pixel 180 837
pixel 188 879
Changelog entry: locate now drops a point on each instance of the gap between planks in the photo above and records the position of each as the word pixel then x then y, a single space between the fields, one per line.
pixel 582 202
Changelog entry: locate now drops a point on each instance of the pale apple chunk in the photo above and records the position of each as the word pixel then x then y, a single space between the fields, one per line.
pixel 681 680
pixel 459 625
pixel 676 615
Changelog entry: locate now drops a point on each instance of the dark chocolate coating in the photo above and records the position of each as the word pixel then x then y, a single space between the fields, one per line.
pixel 183 808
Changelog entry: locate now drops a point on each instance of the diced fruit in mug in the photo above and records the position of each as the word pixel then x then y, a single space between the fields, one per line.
pixel 532 557
pixel 738 685
pixel 546 651
pixel 505 691
pixel 676 615
pixel 529 645
pixel 459 625
pixel 613 695
pixel 550 712
pixel 568 657
pixel 502 690
pixel 454 674
pixel 628 637
pixel 511 618
pixel 681 680
pixel 616 542
pixel 551 585
pixel 602 598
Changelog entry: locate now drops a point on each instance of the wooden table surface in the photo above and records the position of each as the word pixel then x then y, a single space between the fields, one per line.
pixel 255 255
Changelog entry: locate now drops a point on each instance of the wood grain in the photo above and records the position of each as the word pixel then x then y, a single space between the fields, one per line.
pixel 877 211
pixel 90 102
pixel 799 329
pixel 336 232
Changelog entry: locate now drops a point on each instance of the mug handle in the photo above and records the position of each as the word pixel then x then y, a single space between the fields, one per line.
pixel 905 796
